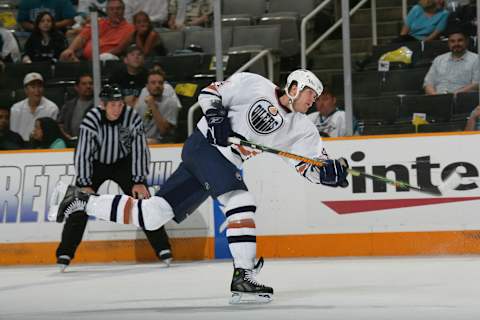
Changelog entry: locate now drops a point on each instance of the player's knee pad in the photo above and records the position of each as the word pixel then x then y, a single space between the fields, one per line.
pixel 152 213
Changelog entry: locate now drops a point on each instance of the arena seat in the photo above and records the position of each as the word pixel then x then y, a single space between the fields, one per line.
pixel 254 8
pixel 289 31
pixel 204 38
pixel 302 7
pixel 377 110
pixel 438 108
pixel 172 40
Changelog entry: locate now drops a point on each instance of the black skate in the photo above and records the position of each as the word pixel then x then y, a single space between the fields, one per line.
pixel 246 289
pixel 66 199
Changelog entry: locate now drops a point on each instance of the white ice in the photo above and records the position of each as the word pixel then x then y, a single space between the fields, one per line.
pixel 346 288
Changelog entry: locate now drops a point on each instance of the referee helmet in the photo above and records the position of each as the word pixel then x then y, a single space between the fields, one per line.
pixel 111 92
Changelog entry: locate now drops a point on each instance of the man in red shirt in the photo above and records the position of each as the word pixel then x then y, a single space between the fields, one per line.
pixel 112 30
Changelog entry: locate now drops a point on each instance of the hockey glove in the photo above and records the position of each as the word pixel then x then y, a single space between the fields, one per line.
pixel 219 127
pixel 334 173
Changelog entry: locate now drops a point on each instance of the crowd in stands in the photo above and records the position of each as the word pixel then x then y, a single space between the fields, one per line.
pixel 128 33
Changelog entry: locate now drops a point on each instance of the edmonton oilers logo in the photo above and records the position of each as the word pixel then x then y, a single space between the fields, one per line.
pixel 263 117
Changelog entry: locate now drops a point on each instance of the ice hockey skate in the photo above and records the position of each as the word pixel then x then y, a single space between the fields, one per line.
pixel 246 289
pixel 65 200
pixel 166 257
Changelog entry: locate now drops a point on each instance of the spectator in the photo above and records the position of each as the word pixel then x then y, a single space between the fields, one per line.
pixel 83 14
pixel 473 123
pixel 62 11
pixel 329 119
pixel 9 50
pixel 455 71
pixel 157 10
pixel 45 43
pixel 46 134
pixel 71 115
pixel 187 13
pixel 158 106
pixel 83 8
pixel 144 36
pixel 24 113
pixel 112 30
pixel 132 76
pixel 9 140
pixel 425 21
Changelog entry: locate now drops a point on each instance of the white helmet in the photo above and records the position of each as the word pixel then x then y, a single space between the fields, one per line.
pixel 303 78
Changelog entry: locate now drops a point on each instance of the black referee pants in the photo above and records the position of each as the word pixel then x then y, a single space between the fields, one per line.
pixel 74 227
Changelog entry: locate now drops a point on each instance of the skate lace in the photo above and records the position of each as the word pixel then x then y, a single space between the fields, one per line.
pixel 76 205
pixel 250 277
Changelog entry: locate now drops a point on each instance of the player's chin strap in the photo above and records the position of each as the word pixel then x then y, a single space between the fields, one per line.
pixel 291 99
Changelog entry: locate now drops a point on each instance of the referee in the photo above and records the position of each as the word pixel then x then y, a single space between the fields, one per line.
pixel 111 146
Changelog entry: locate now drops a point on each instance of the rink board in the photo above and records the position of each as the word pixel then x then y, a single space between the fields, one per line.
pixel 294 217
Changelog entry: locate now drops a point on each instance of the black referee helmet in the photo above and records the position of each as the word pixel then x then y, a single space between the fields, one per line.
pixel 111 92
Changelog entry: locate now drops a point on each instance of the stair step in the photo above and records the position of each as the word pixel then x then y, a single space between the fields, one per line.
pixel 391 28
pixel 332 61
pixel 383 14
pixel 357 45
pixel 394 3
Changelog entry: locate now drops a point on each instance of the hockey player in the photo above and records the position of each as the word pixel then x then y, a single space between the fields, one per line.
pixel 246 106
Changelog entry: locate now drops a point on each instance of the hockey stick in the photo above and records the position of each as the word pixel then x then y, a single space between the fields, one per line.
pixel 319 163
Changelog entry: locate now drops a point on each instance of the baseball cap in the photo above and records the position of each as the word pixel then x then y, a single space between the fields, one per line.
pixel 32 76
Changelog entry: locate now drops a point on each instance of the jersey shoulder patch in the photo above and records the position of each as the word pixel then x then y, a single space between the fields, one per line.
pixel 263 117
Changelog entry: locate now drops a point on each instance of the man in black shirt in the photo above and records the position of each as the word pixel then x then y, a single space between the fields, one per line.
pixel 132 76
pixel 111 146
pixel 9 140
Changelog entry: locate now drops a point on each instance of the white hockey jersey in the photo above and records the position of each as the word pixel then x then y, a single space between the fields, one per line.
pixel 256 115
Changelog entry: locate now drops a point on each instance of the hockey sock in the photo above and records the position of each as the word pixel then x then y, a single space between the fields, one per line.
pixel 149 214
pixel 241 234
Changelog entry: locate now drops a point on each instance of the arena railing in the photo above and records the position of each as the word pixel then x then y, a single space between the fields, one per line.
pixel 304 51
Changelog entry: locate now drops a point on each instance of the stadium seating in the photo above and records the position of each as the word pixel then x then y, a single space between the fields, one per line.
pixel 204 38
pixel 438 108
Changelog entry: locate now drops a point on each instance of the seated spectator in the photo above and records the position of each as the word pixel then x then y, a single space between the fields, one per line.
pixel 132 76
pixel 112 30
pixel 144 36
pixel 187 13
pixel 24 113
pixel 45 42
pixel 425 21
pixel 83 14
pixel 62 11
pixel 329 119
pixel 9 49
pixel 157 10
pixel 46 134
pixel 473 122
pixel 158 106
pixel 71 115
pixel 9 140
pixel 455 71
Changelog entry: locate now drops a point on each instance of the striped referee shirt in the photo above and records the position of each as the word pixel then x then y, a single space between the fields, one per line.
pixel 109 141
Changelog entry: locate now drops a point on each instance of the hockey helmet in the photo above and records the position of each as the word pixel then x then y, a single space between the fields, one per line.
pixel 303 78
pixel 111 92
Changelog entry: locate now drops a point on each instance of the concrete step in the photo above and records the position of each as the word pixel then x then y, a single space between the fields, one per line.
pixel 357 45
pixel 325 75
pixel 332 61
pixel 384 14
pixel 394 3
pixel 391 28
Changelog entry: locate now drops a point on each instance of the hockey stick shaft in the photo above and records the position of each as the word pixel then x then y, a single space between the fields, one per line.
pixel 320 163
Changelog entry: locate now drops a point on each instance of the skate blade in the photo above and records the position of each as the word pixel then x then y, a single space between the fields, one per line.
pixel 61 267
pixel 250 298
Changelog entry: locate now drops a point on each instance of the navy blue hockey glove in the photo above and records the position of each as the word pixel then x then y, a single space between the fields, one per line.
pixel 219 127
pixel 334 173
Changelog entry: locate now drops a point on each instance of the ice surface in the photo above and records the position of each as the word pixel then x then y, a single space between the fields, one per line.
pixel 345 288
